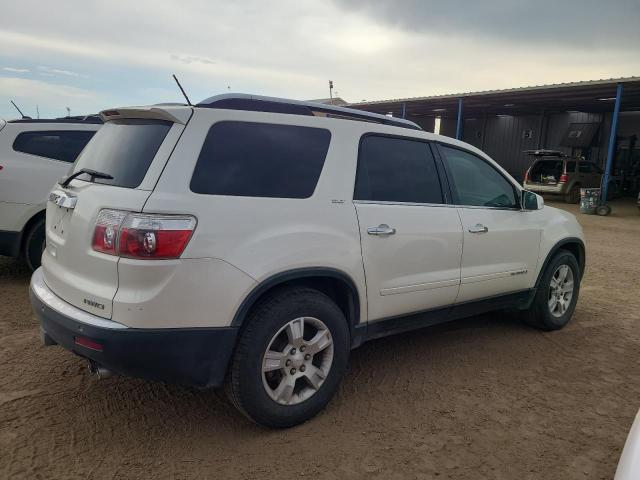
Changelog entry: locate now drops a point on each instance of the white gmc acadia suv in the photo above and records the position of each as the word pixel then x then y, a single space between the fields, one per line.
pixel 34 154
pixel 252 242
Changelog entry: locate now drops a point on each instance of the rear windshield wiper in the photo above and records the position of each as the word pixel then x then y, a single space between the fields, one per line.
pixel 64 182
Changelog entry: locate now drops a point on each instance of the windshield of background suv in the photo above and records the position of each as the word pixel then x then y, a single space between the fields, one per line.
pixel 546 171
pixel 123 149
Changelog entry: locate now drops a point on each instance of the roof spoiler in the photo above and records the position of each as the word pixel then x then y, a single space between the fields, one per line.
pixel 174 115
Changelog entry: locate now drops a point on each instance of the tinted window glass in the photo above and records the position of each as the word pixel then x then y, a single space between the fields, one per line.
pixel 124 149
pixel 63 145
pixel 396 170
pixel 571 167
pixel 260 160
pixel 477 183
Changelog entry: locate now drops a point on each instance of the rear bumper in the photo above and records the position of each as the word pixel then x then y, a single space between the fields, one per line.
pixel 191 356
pixel 541 189
pixel 10 243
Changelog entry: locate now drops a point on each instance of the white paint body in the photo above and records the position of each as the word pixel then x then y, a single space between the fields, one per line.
pixel 26 180
pixel 432 261
pixel 629 465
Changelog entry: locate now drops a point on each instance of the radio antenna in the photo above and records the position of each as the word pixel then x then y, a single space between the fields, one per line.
pixel 19 111
pixel 182 90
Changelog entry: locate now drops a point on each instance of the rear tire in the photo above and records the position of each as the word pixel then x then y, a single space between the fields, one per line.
pixel 573 196
pixel 34 244
pixel 271 380
pixel 557 293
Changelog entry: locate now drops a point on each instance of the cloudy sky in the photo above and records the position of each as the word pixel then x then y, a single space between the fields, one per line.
pixel 90 55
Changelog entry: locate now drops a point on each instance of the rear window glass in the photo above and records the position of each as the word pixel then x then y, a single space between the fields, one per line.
pixel 547 171
pixel 124 149
pixel 62 145
pixel 260 160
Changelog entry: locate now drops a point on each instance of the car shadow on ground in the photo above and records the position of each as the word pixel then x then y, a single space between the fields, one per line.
pixel 433 349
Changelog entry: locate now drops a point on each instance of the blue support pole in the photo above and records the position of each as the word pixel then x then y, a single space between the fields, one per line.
pixel 612 146
pixel 404 110
pixel 459 124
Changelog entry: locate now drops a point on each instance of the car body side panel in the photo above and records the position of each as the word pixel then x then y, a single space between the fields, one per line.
pixel 28 179
pixel 14 216
pixel 557 225
pixel 503 259
pixel 182 293
pixel 266 236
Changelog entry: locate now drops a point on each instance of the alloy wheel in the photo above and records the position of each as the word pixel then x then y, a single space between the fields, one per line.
pixel 297 361
pixel 560 290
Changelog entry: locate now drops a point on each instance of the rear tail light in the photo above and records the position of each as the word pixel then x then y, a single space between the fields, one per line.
pixel 138 235
pixel 564 178
pixel 105 233
pixel 526 175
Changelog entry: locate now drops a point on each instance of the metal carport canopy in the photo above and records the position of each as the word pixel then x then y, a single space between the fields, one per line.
pixel 596 96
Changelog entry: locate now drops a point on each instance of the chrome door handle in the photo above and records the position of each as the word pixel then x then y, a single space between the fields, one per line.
pixel 382 229
pixel 478 228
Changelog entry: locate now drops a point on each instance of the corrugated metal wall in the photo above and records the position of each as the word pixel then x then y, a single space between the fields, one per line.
pixel 504 138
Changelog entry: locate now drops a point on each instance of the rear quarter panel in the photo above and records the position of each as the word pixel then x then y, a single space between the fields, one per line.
pixel 266 236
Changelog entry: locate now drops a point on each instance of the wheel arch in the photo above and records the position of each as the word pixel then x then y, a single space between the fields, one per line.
pixel 334 283
pixel 40 215
pixel 574 245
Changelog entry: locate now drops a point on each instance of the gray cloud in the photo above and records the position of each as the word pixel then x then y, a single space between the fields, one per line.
pixel 124 52
pixel 578 23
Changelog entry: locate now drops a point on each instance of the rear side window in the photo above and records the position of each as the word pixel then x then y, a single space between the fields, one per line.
pixel 260 160
pixel 124 149
pixel 396 170
pixel 63 145
pixel 571 167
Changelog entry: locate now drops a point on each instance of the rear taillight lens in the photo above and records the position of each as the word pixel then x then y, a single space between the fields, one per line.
pixel 154 236
pixel 564 178
pixel 526 175
pixel 105 233
pixel 138 235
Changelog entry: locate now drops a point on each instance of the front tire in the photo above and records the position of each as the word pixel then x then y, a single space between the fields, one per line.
pixel 290 358
pixel 557 294
pixel 34 244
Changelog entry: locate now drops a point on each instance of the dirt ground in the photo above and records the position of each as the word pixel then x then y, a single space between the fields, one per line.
pixel 481 398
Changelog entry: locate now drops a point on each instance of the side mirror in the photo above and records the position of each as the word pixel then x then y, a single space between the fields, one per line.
pixel 531 201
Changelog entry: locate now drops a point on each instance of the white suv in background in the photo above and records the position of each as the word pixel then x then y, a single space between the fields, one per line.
pixel 253 242
pixel 34 154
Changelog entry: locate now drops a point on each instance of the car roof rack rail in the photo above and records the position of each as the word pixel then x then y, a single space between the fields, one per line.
pixel 257 103
pixel 545 153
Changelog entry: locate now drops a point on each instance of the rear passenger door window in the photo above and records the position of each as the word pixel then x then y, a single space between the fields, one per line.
pixel 260 160
pixel 476 183
pixel 392 169
pixel 62 145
